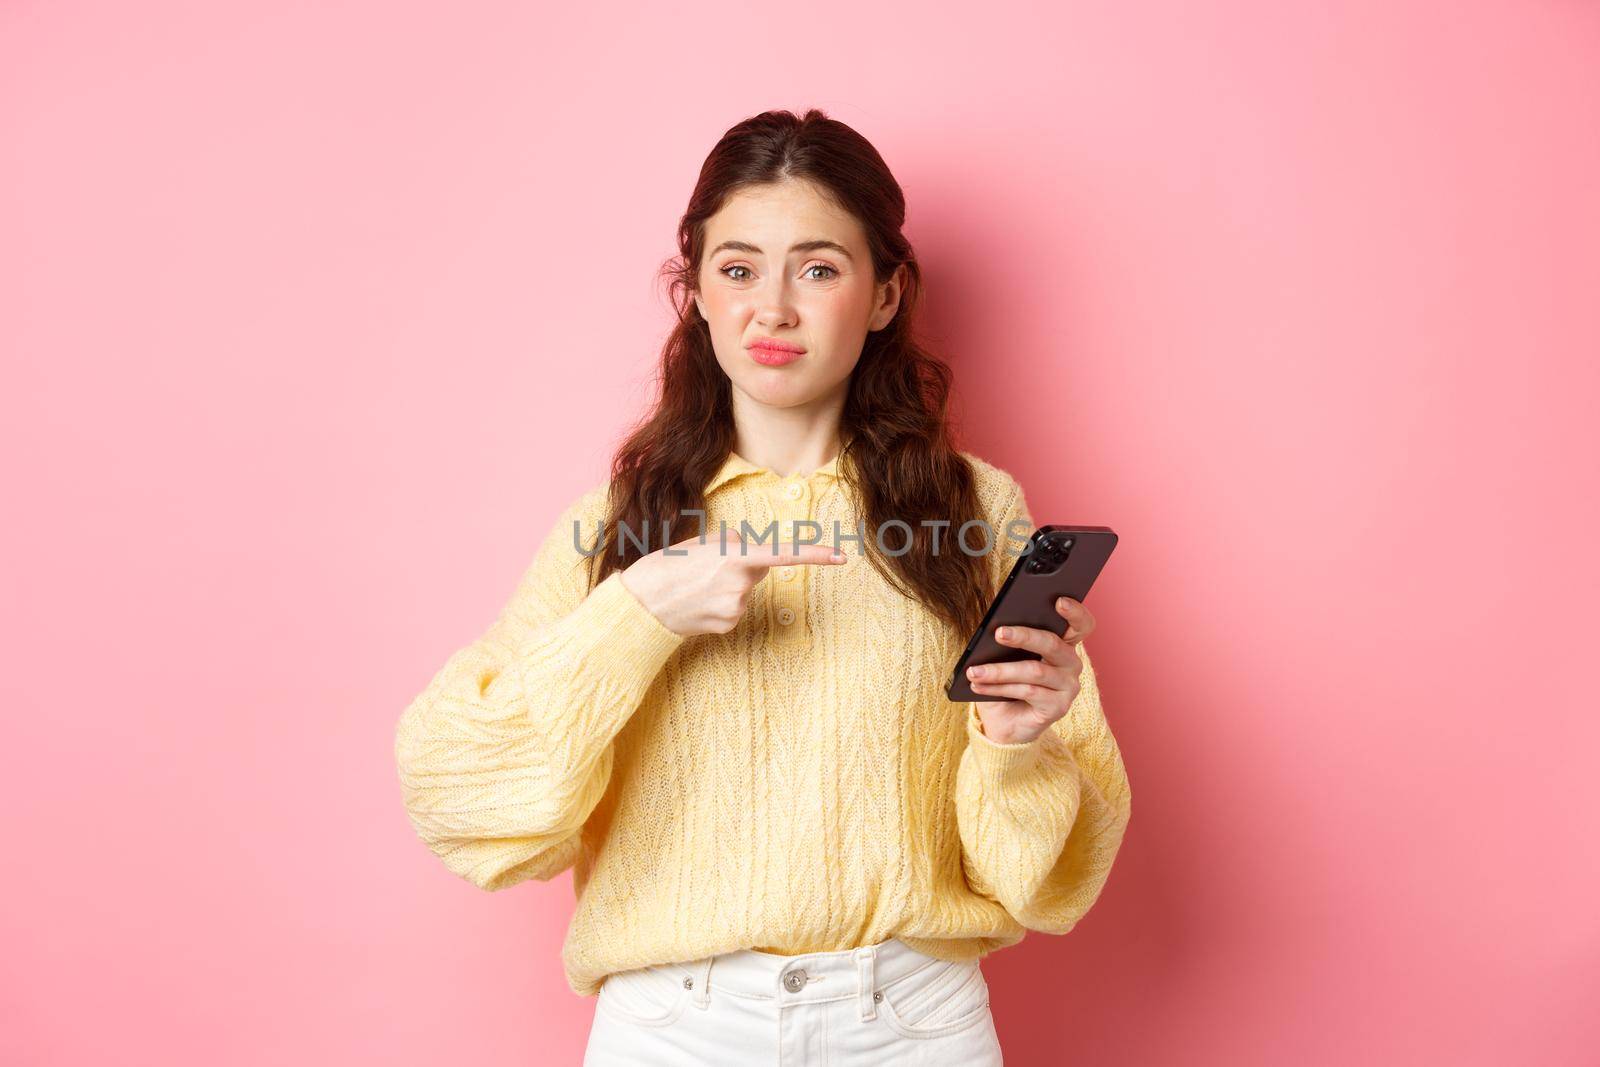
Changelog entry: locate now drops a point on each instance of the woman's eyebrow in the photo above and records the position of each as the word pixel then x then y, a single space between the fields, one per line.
pixel 799 246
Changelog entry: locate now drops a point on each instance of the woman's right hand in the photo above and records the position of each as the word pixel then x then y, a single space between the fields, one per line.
pixel 702 587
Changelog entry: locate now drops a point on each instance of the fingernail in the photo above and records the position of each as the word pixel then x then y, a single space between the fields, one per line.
pixel 837 557
pixel 974 672
pixel 1004 633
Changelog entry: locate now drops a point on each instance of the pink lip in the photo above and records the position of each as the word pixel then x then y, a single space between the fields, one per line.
pixel 774 353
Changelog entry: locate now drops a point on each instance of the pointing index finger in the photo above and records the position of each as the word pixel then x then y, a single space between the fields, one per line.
pixel 784 554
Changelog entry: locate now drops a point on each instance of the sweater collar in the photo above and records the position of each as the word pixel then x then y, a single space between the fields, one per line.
pixel 736 465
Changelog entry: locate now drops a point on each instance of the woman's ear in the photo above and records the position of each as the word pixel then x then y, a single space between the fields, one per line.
pixel 888 300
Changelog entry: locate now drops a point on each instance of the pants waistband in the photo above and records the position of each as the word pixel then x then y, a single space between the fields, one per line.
pixel 811 976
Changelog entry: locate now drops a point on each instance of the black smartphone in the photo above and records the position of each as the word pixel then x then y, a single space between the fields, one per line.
pixel 1057 561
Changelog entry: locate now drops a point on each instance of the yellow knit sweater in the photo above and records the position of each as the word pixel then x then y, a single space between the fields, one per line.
pixel 798 784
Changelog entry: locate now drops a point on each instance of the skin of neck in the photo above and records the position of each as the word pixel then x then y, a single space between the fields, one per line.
pixel 791 440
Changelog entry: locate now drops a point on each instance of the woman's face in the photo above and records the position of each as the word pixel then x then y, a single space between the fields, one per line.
pixel 784 263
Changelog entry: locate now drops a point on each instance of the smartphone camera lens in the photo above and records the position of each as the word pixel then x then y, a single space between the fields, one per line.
pixel 1051 553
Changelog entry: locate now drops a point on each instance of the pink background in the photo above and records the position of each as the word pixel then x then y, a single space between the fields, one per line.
pixel 316 315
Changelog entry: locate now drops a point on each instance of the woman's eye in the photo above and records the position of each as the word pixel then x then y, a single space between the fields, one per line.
pixel 735 266
pixel 821 266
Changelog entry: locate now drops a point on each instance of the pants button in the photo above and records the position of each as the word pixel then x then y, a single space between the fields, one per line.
pixel 794 981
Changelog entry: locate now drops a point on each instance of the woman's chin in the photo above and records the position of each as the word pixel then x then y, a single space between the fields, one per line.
pixel 771 389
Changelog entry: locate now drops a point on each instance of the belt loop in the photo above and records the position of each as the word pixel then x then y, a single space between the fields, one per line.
pixel 702 984
pixel 865 990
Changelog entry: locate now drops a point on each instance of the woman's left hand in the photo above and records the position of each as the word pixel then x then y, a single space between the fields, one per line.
pixel 1041 689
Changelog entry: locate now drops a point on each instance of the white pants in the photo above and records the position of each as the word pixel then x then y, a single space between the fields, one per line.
pixel 882 1005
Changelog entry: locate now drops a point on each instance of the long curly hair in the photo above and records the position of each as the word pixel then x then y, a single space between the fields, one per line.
pixel 899 454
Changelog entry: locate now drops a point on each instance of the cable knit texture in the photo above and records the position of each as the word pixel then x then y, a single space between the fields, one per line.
pixel 799 784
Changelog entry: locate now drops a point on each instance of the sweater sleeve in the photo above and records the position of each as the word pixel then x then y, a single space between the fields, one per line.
pixel 1041 821
pixel 509 747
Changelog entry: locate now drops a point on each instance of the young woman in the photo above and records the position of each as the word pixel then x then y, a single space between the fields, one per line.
pixel 785 840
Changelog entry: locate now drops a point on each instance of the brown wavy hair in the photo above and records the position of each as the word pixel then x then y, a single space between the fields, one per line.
pixel 899 454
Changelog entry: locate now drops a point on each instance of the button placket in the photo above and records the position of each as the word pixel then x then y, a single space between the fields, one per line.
pixel 791 501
